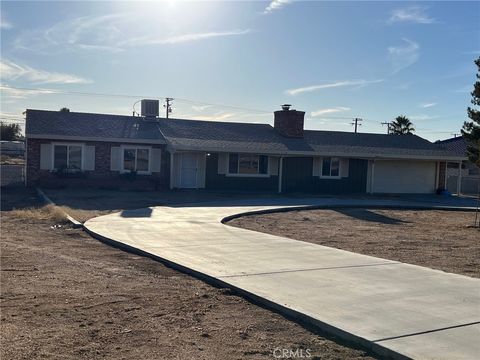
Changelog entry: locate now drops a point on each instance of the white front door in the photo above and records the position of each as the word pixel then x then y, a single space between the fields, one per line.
pixel 188 174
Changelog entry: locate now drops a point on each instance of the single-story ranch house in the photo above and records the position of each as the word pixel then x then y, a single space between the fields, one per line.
pixel 172 153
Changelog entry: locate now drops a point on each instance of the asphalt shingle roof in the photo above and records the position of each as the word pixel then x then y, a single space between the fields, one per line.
pixel 229 136
pixel 456 145
pixel 102 126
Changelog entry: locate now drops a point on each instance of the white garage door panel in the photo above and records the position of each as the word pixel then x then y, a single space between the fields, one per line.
pixel 404 177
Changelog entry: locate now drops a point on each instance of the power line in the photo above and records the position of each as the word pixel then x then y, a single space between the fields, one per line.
pixel 62 92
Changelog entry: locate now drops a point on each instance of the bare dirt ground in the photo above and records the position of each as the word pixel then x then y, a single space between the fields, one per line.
pixel 437 239
pixel 83 204
pixel 66 295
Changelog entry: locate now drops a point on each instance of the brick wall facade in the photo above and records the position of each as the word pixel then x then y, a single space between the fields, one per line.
pixel 102 176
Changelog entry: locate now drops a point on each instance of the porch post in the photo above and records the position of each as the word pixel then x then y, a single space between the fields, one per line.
pixel 280 175
pixel 171 170
pixel 373 176
pixel 459 178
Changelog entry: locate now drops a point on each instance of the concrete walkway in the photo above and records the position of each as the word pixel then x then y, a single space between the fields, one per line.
pixel 396 309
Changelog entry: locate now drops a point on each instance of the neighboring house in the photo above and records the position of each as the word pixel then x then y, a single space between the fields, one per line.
pixel 462 177
pixel 173 153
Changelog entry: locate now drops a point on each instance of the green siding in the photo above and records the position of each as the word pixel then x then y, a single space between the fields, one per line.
pixel 297 177
pixel 215 181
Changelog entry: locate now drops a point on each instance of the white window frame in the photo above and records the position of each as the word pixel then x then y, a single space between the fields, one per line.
pixel 339 168
pixel 134 147
pixel 67 144
pixel 248 175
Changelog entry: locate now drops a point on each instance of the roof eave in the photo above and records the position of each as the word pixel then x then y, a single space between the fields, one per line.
pixel 439 157
pixel 91 138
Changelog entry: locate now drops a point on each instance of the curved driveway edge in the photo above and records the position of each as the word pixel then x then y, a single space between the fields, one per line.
pixel 397 310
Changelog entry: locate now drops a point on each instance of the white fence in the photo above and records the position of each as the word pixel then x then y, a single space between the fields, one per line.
pixel 469 184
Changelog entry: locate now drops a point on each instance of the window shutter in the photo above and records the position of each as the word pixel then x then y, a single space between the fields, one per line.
pixel 46 157
pixel 156 159
pixel 177 169
pixel 273 165
pixel 222 163
pixel 115 158
pixel 344 163
pixel 317 166
pixel 89 162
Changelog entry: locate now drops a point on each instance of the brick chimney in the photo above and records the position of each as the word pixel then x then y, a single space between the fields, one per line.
pixel 289 123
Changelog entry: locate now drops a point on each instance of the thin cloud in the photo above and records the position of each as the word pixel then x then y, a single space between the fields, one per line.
pixel 200 108
pixel 15 93
pixel 351 83
pixel 276 5
pixel 4 23
pixel 423 117
pixel 12 71
pixel 428 105
pixel 217 116
pixel 411 14
pixel 404 56
pixel 109 33
pixel 329 111
pixel 183 38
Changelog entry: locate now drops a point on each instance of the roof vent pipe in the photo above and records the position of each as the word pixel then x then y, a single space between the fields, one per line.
pixel 286 107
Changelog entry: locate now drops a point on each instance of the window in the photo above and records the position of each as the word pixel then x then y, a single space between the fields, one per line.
pixel 246 164
pixel 136 159
pixel 330 167
pixel 67 157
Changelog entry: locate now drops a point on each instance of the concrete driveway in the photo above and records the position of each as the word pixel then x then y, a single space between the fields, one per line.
pixel 396 309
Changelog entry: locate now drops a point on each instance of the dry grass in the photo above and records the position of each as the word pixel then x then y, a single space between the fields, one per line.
pixel 11 160
pixel 81 215
pixel 47 212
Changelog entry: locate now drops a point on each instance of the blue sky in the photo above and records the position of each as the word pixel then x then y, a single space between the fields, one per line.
pixel 333 60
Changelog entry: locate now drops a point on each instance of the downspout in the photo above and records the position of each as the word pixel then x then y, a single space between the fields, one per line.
pixel 280 175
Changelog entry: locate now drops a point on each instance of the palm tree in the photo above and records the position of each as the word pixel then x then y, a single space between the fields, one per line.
pixel 401 126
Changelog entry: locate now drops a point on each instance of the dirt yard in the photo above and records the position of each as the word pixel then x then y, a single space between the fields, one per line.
pixel 436 239
pixel 83 204
pixel 66 295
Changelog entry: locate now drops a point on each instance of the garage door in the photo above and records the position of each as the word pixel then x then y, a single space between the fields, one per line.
pixel 404 177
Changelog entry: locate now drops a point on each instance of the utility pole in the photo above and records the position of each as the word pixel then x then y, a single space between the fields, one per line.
pixel 168 106
pixel 388 126
pixel 356 122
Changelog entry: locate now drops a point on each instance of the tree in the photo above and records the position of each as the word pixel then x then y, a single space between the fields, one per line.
pixel 64 109
pixel 401 126
pixel 10 132
pixel 471 129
